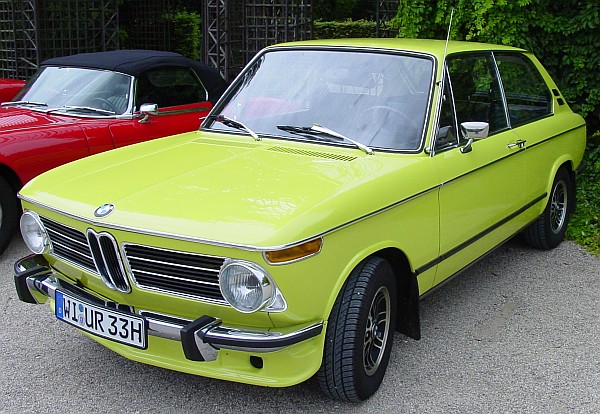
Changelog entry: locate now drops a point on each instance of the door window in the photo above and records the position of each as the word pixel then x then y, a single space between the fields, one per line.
pixel 169 87
pixel 526 92
pixel 476 91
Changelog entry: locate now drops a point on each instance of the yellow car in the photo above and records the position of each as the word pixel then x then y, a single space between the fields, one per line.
pixel 332 186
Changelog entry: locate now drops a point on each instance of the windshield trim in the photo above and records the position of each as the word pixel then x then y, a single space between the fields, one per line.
pixel 233 87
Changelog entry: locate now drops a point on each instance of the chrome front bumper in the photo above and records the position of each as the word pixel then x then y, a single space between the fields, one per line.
pixel 201 339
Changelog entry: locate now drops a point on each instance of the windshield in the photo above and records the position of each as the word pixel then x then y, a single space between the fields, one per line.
pixel 376 99
pixel 89 91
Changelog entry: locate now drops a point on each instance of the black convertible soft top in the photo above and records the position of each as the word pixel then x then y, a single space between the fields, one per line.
pixel 134 62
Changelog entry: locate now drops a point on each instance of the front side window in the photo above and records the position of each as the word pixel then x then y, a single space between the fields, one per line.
pixel 476 90
pixel 377 99
pixel 169 87
pixel 526 91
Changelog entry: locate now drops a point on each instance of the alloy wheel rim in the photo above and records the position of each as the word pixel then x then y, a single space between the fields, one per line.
pixel 558 207
pixel 377 330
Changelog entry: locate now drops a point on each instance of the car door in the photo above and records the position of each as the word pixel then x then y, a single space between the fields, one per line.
pixel 182 101
pixel 530 109
pixel 482 184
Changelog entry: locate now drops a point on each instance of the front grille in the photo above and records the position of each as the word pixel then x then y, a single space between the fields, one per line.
pixel 168 271
pixel 175 272
pixel 69 244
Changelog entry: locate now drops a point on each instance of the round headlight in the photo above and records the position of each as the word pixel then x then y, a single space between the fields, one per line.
pixel 34 233
pixel 245 286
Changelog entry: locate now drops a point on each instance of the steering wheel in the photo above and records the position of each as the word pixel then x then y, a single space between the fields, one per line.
pixel 105 104
pixel 379 112
pixel 397 134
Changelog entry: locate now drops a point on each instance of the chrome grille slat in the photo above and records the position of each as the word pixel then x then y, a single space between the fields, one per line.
pixel 82 257
pixel 183 266
pixel 175 272
pixel 69 244
pixel 199 282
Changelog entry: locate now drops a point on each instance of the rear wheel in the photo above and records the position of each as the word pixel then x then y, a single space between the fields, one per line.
pixel 548 231
pixel 9 212
pixel 360 333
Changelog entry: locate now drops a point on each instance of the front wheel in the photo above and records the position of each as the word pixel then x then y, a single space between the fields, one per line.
pixel 9 212
pixel 360 333
pixel 548 230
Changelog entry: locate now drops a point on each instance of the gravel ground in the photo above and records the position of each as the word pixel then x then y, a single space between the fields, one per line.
pixel 518 332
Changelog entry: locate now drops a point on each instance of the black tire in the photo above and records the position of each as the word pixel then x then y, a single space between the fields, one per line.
pixel 548 230
pixel 360 332
pixel 9 213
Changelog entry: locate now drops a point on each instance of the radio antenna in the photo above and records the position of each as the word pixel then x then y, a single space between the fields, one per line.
pixel 441 82
pixel 448 34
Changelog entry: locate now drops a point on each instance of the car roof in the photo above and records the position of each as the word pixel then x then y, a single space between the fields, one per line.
pixel 428 46
pixel 131 62
pixel 137 61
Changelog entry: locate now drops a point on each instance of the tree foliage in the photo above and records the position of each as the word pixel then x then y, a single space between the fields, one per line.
pixel 564 35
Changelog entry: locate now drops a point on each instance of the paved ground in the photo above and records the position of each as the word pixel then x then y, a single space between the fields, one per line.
pixel 517 333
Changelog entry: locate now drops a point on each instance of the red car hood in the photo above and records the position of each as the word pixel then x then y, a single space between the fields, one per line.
pixel 14 118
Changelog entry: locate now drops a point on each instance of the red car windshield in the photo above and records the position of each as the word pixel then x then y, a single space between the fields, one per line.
pixel 78 91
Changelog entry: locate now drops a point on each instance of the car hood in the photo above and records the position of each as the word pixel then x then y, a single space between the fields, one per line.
pixel 228 189
pixel 15 119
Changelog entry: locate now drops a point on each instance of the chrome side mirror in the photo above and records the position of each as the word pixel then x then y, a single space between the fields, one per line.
pixel 473 131
pixel 146 110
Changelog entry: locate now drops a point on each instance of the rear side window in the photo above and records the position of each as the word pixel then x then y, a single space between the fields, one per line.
pixel 169 87
pixel 527 94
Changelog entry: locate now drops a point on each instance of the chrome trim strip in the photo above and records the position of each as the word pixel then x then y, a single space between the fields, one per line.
pixel 502 91
pixel 176 111
pixel 222 243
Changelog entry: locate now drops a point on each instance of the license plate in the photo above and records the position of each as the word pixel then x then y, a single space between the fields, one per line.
pixel 101 321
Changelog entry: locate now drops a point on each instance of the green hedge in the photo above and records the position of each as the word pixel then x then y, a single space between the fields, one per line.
pixel 344 29
pixel 185 33
pixel 563 34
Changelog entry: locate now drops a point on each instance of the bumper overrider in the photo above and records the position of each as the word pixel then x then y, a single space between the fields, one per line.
pixel 201 339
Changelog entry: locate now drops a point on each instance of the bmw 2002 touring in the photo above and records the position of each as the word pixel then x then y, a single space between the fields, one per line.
pixel 332 186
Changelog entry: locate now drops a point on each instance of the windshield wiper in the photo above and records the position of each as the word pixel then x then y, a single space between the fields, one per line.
pixel 232 123
pixel 83 108
pixel 319 130
pixel 13 103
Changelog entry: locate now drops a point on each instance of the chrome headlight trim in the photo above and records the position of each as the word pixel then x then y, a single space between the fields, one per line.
pixel 249 288
pixel 34 233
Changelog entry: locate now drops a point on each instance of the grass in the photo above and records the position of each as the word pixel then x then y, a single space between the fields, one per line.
pixel 584 227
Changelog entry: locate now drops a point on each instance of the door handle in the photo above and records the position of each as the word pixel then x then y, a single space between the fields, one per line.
pixel 520 143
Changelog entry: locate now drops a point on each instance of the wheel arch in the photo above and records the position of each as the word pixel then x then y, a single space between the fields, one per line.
pixel 408 320
pixel 569 167
pixel 11 177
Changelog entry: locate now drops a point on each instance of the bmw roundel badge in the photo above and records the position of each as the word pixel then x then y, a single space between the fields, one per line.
pixel 104 210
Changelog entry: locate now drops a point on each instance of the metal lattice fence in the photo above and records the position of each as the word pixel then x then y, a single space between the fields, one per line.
pixel 234 30
pixel 386 10
pixel 34 30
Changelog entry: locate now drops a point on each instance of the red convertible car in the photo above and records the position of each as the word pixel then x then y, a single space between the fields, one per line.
pixel 9 88
pixel 79 105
